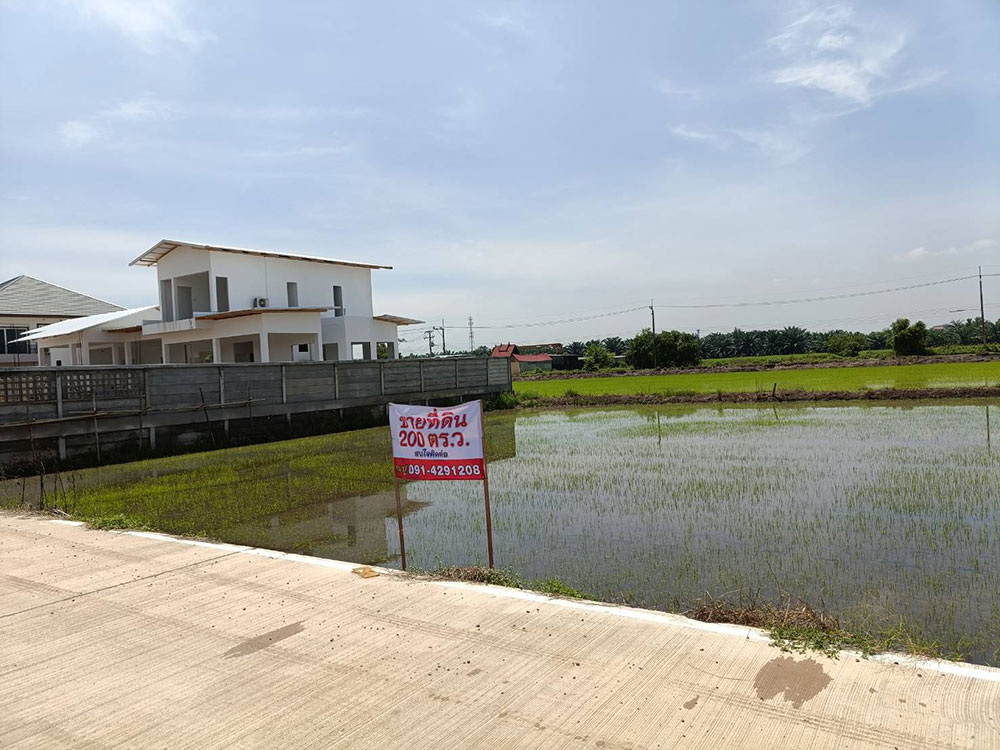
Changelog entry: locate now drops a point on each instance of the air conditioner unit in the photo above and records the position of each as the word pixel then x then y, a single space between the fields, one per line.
pixel 260 301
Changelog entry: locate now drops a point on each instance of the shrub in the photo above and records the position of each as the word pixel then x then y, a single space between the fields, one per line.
pixel 597 357
pixel 673 349
pixel 847 344
pixel 908 340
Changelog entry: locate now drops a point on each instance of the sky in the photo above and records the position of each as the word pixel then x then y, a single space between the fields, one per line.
pixel 518 162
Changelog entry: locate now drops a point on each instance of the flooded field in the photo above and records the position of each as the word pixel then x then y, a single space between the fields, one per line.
pixel 880 514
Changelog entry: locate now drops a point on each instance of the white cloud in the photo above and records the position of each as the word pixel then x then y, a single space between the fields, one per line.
pixel 76 133
pixel 713 138
pixel 849 57
pixel 779 145
pixel 783 147
pixel 922 253
pixel 146 107
pixel 147 24
pixel 509 19
pixel 668 88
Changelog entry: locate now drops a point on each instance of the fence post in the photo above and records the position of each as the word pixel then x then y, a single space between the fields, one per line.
pixel 336 381
pixel 421 363
pixel 284 386
pixel 59 413
pixel 149 406
pixel 381 378
pixel 222 397
pixel 456 373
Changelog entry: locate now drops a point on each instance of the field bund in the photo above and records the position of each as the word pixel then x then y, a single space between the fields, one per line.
pixel 143 640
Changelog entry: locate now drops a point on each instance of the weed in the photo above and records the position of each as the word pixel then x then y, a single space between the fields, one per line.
pixel 118 521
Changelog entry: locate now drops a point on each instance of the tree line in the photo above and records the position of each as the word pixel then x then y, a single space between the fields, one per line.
pixel 677 349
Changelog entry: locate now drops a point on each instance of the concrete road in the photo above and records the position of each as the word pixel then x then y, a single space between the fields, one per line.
pixel 139 640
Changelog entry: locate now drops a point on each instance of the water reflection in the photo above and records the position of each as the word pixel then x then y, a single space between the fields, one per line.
pixel 352 528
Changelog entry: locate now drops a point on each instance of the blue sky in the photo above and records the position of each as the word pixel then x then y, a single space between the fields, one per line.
pixel 517 161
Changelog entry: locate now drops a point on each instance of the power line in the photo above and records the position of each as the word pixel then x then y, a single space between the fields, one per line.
pixel 429 332
pixel 827 298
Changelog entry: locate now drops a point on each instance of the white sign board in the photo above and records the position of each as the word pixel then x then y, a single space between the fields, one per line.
pixel 438 443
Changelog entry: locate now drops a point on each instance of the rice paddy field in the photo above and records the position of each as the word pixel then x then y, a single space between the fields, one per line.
pixel 887 516
pixel 940 375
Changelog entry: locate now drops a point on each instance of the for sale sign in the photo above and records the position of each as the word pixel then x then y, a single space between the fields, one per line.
pixel 431 443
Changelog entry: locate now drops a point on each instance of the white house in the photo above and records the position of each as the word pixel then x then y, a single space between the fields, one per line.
pixel 27 304
pixel 228 304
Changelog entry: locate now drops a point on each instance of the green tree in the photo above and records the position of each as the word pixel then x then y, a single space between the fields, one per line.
pixel 614 344
pixel 846 344
pixel 908 340
pixel 597 357
pixel 576 347
pixel 673 349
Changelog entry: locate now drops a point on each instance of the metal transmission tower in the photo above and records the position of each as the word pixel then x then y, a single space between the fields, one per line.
pixel 472 338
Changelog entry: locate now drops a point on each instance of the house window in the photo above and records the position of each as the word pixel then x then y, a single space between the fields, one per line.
pixel 222 294
pixel 8 345
pixel 293 294
pixel 338 301
pixel 166 300
pixel 304 348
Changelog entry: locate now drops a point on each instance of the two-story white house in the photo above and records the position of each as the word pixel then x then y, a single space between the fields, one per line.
pixel 228 304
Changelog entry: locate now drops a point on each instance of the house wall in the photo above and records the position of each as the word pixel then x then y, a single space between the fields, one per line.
pixel 253 276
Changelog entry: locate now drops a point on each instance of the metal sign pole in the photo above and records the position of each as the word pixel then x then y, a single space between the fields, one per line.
pixel 399 524
pixel 486 487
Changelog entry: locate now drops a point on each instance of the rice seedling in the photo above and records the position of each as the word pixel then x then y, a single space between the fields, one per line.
pixel 939 375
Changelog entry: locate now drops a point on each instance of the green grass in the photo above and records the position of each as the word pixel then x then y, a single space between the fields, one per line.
pixel 772 359
pixel 944 375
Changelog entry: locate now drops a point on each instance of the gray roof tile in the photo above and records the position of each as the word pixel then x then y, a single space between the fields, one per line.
pixel 26 295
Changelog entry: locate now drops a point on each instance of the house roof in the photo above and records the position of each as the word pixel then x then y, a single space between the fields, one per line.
pixel 504 350
pixel 75 325
pixel 398 320
pixel 161 248
pixel 26 295
pixel 532 358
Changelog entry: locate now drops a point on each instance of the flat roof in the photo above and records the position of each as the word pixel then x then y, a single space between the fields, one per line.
pixel 161 248
pixel 75 325
pixel 397 319
pixel 259 311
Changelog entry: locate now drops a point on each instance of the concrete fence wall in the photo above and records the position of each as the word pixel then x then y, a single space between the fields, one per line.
pixel 71 413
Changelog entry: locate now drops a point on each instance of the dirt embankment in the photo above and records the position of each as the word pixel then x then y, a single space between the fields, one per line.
pixel 706 370
pixel 751 397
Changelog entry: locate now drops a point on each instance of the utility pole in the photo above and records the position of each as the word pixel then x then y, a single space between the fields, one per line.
pixel 444 349
pixel 652 315
pixel 472 338
pixel 429 335
pixel 982 307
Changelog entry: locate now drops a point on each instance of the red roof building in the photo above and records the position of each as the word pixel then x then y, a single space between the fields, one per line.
pixel 521 362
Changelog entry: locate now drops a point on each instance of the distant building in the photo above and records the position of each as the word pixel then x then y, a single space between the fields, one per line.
pixel 521 362
pixel 27 303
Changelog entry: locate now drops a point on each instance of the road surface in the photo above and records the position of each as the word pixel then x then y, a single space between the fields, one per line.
pixel 114 639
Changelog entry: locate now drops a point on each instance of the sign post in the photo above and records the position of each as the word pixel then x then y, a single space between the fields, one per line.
pixel 429 444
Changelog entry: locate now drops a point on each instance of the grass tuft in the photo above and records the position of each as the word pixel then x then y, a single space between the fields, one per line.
pixel 507 578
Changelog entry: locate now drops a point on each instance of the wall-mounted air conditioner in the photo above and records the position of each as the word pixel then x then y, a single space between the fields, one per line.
pixel 260 301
